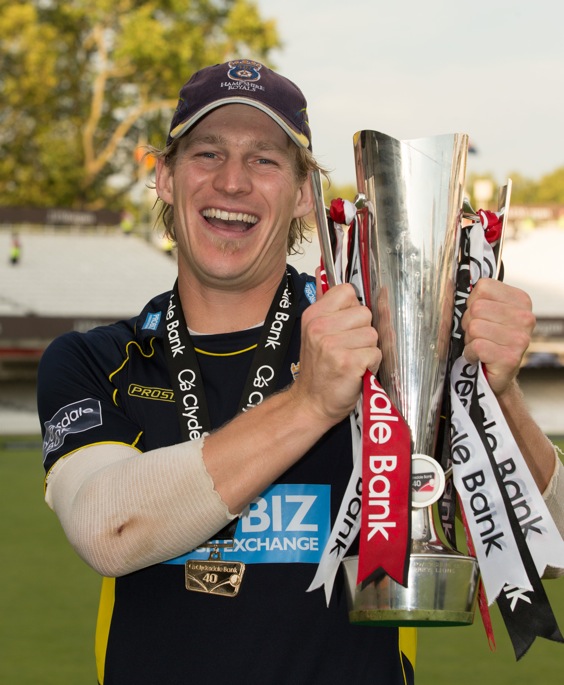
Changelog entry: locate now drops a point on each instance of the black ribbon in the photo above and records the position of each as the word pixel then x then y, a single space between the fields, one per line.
pixel 447 503
pixel 526 614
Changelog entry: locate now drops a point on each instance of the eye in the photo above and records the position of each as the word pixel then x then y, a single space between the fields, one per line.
pixel 266 161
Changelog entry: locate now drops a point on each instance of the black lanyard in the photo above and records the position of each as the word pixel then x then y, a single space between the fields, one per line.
pixel 186 377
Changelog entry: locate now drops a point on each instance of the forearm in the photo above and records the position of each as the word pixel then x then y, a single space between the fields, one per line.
pixel 261 445
pixel 554 498
pixel 540 456
pixel 535 447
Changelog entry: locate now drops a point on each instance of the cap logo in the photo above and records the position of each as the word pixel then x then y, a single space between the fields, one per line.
pixel 244 70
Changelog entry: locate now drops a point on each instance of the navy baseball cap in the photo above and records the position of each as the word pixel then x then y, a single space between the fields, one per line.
pixel 242 81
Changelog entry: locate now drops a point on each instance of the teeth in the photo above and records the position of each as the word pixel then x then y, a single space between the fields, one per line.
pixel 229 216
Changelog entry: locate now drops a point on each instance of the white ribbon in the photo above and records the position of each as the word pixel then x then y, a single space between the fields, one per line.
pixel 482 501
pixel 347 524
pixel 541 534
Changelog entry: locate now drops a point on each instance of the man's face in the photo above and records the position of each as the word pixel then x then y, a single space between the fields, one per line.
pixel 234 193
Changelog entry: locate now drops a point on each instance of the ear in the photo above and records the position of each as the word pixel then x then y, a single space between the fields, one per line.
pixel 164 182
pixel 304 200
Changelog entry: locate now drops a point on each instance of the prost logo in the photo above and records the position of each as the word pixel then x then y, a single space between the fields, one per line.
pixel 147 393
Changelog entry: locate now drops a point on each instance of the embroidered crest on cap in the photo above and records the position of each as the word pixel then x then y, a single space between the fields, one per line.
pixel 244 70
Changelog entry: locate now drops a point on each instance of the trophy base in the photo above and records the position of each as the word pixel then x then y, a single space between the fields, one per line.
pixel 441 591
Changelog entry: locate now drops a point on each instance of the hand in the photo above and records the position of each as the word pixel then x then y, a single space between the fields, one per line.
pixel 339 344
pixel 498 324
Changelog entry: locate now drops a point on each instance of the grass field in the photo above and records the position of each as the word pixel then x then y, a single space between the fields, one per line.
pixel 48 603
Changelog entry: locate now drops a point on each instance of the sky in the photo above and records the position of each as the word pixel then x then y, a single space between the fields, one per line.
pixel 493 69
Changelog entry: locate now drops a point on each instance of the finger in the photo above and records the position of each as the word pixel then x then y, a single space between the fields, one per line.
pixel 349 323
pixel 491 353
pixel 339 297
pixel 508 307
pixel 490 289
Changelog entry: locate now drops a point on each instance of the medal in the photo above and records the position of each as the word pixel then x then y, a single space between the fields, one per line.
pixel 215 576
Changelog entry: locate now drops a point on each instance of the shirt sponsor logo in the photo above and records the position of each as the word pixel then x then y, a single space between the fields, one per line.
pixel 310 292
pixel 288 523
pixel 152 321
pixel 73 418
pixel 147 393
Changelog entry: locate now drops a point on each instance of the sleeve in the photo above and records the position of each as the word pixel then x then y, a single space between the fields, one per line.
pixel 75 396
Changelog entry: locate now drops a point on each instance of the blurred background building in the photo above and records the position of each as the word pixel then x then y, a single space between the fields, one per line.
pixel 80 269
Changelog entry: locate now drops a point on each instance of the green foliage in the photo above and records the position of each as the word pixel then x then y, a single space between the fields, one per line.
pixel 551 188
pixel 84 82
pixel 343 192
pixel 526 191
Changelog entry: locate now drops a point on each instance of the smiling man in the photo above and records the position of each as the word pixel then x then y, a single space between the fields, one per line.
pixel 197 454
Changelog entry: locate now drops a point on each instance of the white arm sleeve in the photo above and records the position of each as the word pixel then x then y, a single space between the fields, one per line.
pixel 554 498
pixel 123 510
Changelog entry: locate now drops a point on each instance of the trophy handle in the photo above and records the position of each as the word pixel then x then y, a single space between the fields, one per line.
pixel 323 228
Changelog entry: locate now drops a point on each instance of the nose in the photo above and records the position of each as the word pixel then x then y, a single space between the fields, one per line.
pixel 232 177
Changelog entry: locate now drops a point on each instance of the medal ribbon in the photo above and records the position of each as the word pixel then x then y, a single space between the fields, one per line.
pixel 186 378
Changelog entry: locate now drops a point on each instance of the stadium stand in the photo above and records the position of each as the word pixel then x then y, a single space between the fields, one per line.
pixel 77 278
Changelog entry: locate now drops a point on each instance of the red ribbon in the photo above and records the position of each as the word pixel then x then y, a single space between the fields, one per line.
pixel 492 223
pixel 337 211
pixel 385 533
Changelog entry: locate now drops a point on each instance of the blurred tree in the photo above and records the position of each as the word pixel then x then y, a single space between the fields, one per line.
pixel 84 82
pixel 470 186
pixel 344 192
pixel 524 190
pixel 551 188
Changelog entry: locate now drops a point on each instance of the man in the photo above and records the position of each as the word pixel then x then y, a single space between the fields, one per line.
pixel 145 462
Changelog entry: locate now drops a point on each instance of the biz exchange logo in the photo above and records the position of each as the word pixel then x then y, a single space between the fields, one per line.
pixel 73 418
pixel 288 523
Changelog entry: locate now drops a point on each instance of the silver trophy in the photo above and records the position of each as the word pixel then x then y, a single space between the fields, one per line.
pixel 413 195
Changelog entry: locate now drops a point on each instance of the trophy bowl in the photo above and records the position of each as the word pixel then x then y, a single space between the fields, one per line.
pixel 441 591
